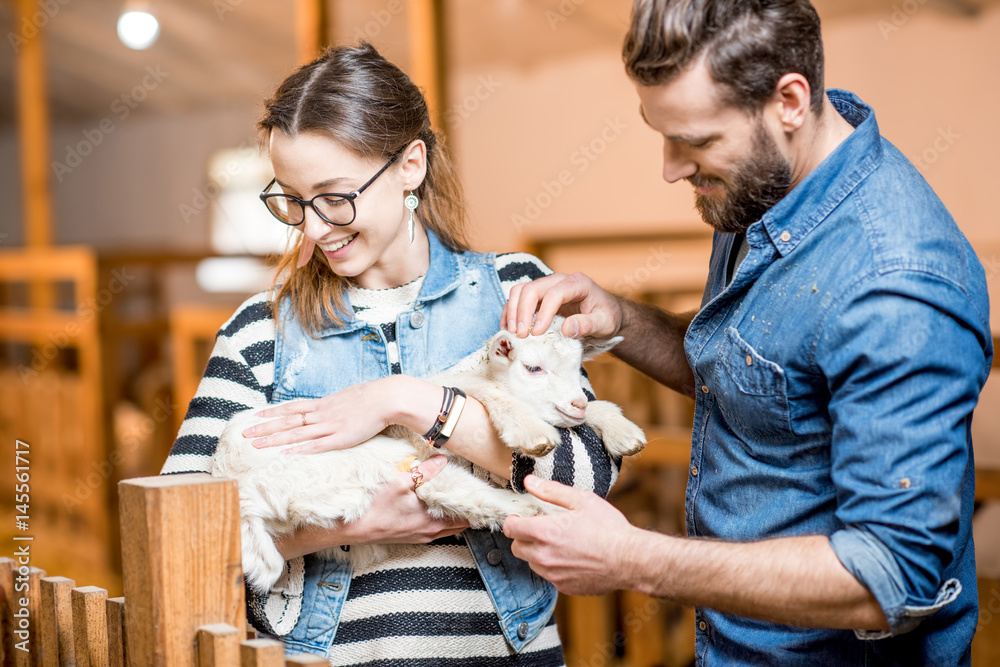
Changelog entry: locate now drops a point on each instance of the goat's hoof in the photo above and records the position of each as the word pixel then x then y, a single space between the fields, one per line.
pixel 631 440
pixel 539 448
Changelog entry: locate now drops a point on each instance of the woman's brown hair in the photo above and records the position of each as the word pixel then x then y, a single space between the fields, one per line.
pixel 369 106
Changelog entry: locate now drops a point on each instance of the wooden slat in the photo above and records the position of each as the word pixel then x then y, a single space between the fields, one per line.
pixel 7 567
pixel 304 660
pixel 179 528
pixel 37 327
pixel 188 326
pixel 262 653
pixel 987 484
pixel 90 626
pixel 986 644
pixel 251 632
pixel 643 628
pixel 427 63
pixel 310 29
pixel 33 126
pixel 115 608
pixel 52 264
pixel 218 645
pixel 56 626
pixel 33 594
pixel 590 628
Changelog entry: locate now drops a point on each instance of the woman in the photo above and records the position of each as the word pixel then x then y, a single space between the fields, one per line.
pixel 380 291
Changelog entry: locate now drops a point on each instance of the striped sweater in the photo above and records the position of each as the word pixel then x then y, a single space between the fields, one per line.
pixel 387 618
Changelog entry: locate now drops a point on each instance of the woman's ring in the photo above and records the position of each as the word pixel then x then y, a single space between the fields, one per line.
pixel 303 418
pixel 418 479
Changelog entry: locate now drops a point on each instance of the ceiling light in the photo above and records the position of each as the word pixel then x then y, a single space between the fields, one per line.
pixel 137 28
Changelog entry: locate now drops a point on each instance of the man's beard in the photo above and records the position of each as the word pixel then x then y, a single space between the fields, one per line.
pixel 756 184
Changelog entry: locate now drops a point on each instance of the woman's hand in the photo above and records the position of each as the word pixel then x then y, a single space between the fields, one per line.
pixel 338 421
pixel 396 516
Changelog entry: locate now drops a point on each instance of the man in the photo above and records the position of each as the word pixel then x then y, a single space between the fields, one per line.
pixel 835 364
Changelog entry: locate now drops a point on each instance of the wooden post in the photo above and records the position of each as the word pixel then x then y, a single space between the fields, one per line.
pixel 181 561
pixel 33 595
pixel 425 19
pixel 33 124
pixel 57 622
pixel 90 626
pixel 311 35
pixel 115 609
pixel 218 645
pixel 7 567
pixel 303 660
pixel 262 653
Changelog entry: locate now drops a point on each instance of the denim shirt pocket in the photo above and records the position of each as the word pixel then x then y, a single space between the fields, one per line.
pixel 751 391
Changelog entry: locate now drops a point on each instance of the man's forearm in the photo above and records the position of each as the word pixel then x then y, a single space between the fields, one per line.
pixel 793 581
pixel 654 344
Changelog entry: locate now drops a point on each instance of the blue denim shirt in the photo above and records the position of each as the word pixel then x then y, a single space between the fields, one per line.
pixel 457 310
pixel 836 377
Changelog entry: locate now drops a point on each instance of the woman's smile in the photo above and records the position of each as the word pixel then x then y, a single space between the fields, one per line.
pixel 338 249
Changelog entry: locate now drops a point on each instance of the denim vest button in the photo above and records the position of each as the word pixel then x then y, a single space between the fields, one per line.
pixel 494 557
pixel 417 320
pixel 522 630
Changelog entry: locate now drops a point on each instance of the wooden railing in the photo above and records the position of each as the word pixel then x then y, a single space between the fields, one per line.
pixel 184 600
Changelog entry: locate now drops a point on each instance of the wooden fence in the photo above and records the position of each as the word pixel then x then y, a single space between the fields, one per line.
pixel 184 600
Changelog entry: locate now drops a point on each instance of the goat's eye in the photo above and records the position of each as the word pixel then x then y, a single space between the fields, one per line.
pixel 533 369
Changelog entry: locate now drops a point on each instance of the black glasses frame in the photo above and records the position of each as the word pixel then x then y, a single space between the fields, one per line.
pixel 349 197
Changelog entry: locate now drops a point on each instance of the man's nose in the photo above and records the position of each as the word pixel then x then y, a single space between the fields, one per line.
pixel 676 164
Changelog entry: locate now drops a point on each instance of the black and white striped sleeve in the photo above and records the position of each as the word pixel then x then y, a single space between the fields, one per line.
pixel 239 376
pixel 581 460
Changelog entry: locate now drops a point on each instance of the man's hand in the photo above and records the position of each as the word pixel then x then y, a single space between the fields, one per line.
pixel 589 309
pixel 582 551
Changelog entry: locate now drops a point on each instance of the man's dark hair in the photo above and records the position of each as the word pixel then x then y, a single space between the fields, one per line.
pixel 748 45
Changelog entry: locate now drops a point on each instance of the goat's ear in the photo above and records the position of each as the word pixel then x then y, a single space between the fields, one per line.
pixel 502 348
pixel 595 346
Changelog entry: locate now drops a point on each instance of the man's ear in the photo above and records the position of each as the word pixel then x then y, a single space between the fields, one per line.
pixel 595 346
pixel 503 347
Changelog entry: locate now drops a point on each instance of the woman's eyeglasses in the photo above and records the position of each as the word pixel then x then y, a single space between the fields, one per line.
pixel 332 207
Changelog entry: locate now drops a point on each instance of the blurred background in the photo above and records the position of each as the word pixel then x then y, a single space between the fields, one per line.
pixel 130 227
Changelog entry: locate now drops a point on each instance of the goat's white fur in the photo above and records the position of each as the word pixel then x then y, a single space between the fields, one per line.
pixel 529 386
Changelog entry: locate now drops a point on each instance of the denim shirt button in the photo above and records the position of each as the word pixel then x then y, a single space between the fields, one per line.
pixel 494 557
pixel 694 471
pixel 704 389
pixel 522 630
pixel 786 237
pixel 702 625
pixel 417 320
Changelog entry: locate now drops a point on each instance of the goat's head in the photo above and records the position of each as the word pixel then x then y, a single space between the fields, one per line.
pixel 545 371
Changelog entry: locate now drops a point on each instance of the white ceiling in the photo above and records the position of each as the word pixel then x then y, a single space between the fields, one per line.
pixel 230 53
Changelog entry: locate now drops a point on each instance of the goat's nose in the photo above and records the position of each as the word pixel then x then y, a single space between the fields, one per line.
pixel 580 403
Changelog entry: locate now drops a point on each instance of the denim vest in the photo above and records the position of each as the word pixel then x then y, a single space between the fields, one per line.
pixel 457 310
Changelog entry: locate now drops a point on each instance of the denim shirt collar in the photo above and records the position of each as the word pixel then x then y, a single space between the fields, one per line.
pixel 442 277
pixel 822 190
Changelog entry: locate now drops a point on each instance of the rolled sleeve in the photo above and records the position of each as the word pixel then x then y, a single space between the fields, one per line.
pixel 905 357
pixel 874 566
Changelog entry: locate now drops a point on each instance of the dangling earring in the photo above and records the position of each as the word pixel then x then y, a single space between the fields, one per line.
pixel 411 202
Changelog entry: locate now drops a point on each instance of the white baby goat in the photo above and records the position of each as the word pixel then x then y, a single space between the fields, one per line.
pixel 529 386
